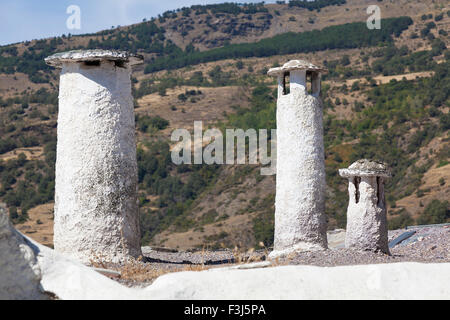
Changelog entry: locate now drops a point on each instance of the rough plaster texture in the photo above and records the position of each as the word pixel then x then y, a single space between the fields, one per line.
pixel 366 214
pixel 32 271
pixel 20 274
pixel 96 210
pixel 382 281
pixel 70 280
pixel 300 223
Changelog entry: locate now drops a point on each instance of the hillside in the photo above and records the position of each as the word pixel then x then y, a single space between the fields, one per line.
pixel 386 96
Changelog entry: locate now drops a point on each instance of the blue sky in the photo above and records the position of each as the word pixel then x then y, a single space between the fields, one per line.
pixel 22 20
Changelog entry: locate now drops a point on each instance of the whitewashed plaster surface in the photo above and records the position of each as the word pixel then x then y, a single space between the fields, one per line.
pixel 96 210
pixel 367 227
pixel 300 222
pixel 20 274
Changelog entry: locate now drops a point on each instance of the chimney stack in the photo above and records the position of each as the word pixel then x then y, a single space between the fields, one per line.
pixel 300 222
pixel 366 214
pixel 96 209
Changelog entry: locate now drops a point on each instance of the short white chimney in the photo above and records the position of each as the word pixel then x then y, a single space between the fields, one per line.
pixel 366 214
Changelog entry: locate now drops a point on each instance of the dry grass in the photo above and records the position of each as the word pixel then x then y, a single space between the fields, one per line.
pixel 32 153
pixel 139 272
pixel 249 256
pixel 39 225
pixel 386 79
pixel 432 189
pixel 210 107
pixel 134 271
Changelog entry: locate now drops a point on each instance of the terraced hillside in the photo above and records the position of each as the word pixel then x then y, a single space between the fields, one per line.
pixel 386 96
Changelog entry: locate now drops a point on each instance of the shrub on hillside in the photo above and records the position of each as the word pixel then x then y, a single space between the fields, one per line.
pixel 436 212
pixel 146 123
pixel 401 221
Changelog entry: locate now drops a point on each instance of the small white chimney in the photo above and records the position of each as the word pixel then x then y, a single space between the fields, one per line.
pixel 366 214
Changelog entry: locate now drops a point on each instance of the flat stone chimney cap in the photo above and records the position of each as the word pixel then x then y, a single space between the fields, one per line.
pixel 58 59
pixel 366 168
pixel 296 65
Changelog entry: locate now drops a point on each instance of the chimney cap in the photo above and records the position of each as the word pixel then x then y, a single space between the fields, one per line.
pixel 296 65
pixel 58 59
pixel 366 168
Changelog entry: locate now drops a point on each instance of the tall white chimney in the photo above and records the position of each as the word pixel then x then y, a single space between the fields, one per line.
pixel 96 209
pixel 300 222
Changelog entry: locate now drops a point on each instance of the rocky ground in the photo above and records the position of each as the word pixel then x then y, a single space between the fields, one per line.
pixel 425 245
